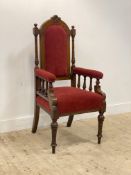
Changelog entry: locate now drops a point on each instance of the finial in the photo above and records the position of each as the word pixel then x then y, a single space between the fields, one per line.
pixel 55 18
pixel 35 25
pixel 35 30
pixel 73 31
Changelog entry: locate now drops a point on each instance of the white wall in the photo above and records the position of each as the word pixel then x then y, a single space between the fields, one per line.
pixel 103 42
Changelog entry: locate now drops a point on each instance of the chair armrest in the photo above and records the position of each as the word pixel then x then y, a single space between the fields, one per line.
pixel 88 72
pixel 43 74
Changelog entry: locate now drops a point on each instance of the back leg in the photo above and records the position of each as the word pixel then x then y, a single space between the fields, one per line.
pixel 36 118
pixel 70 119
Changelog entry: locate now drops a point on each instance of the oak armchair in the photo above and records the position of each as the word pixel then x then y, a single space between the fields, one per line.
pixel 54 64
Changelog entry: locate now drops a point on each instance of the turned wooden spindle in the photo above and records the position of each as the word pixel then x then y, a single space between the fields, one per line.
pixel 84 83
pixel 43 86
pixel 78 85
pixel 46 90
pixel 73 80
pixel 37 84
pixel 90 86
pixel 50 85
pixel 36 32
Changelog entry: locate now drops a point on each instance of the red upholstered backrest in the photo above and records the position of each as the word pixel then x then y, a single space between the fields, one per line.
pixel 55 48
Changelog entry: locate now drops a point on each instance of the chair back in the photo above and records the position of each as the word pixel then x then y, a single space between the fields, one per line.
pixel 55 47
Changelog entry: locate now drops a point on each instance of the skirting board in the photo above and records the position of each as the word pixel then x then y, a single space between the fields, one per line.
pixel 25 122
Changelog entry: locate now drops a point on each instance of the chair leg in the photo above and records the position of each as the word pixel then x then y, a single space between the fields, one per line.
pixel 36 118
pixel 70 119
pixel 100 126
pixel 54 127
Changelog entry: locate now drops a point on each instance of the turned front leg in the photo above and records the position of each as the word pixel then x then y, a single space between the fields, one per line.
pixel 100 126
pixel 54 127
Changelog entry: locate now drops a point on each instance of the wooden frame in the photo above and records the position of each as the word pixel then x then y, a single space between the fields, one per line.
pixel 44 88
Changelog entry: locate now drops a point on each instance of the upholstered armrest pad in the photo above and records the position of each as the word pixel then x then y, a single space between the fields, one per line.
pixel 45 75
pixel 88 72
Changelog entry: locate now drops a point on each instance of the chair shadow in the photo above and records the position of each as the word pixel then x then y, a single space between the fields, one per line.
pixel 72 137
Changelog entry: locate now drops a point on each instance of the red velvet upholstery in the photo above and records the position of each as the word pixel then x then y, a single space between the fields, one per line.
pixel 74 100
pixel 56 50
pixel 45 75
pixel 88 72
pixel 43 103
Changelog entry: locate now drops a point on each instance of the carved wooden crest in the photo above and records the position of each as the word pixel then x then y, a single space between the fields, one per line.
pixel 56 19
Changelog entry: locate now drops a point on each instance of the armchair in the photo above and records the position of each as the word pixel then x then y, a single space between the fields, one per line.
pixel 54 64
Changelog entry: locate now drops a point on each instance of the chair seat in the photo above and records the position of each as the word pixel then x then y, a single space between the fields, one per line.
pixel 73 100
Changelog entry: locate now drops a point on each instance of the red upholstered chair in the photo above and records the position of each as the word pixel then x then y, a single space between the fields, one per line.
pixel 54 64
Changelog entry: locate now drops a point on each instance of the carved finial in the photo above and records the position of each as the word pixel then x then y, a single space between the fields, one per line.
pixel 35 30
pixel 56 19
pixel 73 31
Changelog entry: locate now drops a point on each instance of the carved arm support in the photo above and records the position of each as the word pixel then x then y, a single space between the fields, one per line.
pixel 88 72
pixel 46 89
pixel 45 75
pixel 97 89
pixel 53 104
pixel 91 74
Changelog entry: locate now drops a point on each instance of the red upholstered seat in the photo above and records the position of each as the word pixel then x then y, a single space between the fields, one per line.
pixel 73 100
